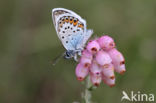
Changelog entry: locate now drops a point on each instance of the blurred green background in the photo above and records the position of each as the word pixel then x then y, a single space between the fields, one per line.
pixel 28 42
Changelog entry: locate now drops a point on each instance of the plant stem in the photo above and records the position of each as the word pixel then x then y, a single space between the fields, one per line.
pixel 87 94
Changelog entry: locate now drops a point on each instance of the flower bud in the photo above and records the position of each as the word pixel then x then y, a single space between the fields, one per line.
pixel 95 79
pixel 106 42
pixel 81 72
pixel 108 71
pixel 103 58
pixel 93 47
pixel 118 60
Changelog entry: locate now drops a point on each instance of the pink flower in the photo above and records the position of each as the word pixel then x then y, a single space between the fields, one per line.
pixel 81 72
pixel 103 58
pixel 86 58
pixel 96 79
pixel 108 71
pixel 118 60
pixel 100 59
pixel 87 54
pixel 95 69
pixel 108 81
pixel 106 42
pixel 86 62
pixel 93 46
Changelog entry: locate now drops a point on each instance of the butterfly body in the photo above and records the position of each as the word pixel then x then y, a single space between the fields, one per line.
pixel 71 30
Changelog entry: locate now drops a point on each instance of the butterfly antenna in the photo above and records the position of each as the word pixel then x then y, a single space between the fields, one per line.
pixel 57 59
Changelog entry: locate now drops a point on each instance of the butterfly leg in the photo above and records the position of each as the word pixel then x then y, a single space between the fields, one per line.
pixel 75 58
pixel 79 51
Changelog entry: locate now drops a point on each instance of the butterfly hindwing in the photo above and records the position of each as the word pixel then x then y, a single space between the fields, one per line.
pixel 70 28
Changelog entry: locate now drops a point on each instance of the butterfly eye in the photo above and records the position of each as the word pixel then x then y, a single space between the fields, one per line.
pixel 67 55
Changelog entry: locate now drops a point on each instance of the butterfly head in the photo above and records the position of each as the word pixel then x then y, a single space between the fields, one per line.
pixel 69 54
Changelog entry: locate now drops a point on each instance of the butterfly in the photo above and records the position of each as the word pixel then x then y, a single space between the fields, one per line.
pixel 72 31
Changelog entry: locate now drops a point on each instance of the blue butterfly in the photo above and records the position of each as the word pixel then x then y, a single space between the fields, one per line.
pixel 71 30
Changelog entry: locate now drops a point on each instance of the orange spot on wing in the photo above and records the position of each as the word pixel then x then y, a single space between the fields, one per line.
pixel 71 21
pixel 67 20
pixel 75 23
pixel 60 25
pixel 80 25
pixel 63 20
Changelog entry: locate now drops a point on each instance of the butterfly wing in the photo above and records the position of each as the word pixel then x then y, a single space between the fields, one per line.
pixel 70 28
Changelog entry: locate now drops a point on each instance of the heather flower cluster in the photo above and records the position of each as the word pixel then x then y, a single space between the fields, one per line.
pixel 99 60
